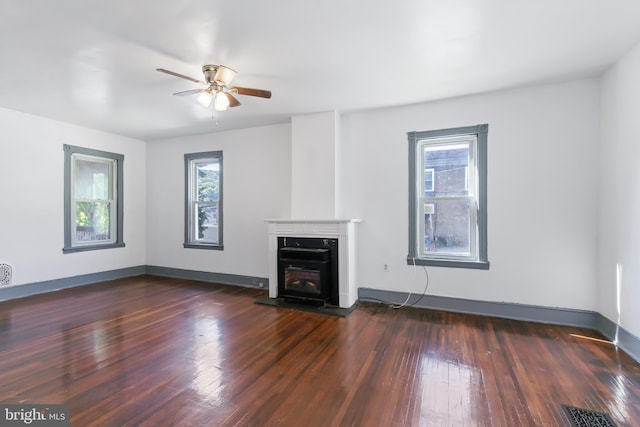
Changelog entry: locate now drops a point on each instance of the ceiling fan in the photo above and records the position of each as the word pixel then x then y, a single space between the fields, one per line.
pixel 217 79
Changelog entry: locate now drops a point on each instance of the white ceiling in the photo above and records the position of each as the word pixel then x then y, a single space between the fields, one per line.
pixel 93 63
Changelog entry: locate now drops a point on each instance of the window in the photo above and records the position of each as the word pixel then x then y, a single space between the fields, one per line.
pixel 93 208
pixel 203 201
pixel 448 197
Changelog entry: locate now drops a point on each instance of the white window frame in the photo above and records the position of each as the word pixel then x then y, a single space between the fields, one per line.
pixel 191 239
pixel 115 200
pixel 467 141
pixel 112 184
pixel 476 138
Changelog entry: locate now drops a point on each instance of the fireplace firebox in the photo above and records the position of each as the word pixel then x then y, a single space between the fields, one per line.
pixel 308 270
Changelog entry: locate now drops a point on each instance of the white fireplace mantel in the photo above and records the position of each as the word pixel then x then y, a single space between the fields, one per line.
pixel 342 229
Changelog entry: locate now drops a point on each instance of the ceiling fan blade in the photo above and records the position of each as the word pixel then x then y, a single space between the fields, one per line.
pixel 190 92
pixel 251 92
pixel 233 101
pixel 172 73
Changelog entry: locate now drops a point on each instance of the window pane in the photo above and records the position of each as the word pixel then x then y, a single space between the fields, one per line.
pixel 449 165
pixel 93 221
pixel 208 181
pixel 446 227
pixel 91 179
pixel 206 222
pixel 428 180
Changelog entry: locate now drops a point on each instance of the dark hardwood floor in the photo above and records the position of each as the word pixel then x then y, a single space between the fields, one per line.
pixel 158 351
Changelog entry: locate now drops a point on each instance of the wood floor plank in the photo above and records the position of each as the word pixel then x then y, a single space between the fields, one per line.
pixel 157 351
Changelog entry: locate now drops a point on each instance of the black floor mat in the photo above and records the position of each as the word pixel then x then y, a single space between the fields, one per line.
pixel 327 309
pixel 585 418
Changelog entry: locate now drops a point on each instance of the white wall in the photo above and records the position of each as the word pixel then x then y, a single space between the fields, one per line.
pixel 256 186
pixel 543 163
pixel 619 204
pixel 542 180
pixel 313 166
pixel 31 206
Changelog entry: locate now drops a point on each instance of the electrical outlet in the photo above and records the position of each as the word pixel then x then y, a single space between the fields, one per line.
pixel 386 267
pixel 261 285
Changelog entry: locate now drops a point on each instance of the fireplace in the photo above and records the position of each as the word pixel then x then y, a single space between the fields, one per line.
pixel 308 270
pixel 340 235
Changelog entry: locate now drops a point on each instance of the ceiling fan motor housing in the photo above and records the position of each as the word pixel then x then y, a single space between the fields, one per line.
pixel 218 74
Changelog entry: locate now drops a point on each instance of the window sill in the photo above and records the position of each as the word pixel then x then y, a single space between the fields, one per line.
pixel 73 249
pixel 477 265
pixel 203 246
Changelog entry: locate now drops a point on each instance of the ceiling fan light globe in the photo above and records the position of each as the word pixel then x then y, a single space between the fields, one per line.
pixel 205 99
pixel 221 102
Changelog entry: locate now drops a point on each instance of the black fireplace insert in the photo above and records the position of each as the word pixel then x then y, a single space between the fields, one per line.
pixel 308 270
